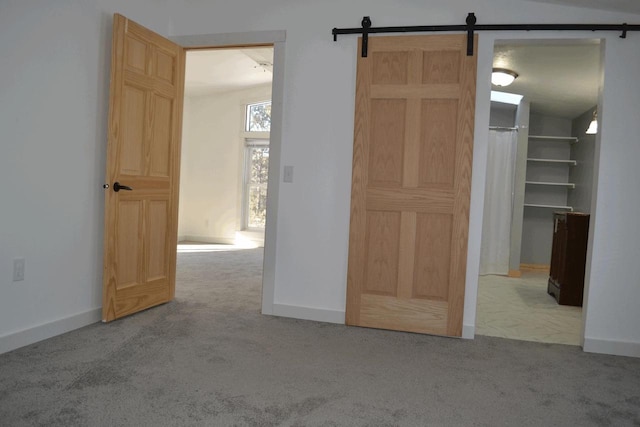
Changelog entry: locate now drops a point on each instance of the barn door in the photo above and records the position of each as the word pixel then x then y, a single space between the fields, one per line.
pixel 415 99
pixel 143 158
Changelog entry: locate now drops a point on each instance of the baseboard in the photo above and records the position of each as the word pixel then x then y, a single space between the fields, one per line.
pixel 534 267
pixel 308 313
pixel 617 348
pixel 468 331
pixel 514 273
pixel 32 335
pixel 207 239
pixel 334 316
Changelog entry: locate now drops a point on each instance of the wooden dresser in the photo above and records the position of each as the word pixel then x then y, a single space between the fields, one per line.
pixel 568 257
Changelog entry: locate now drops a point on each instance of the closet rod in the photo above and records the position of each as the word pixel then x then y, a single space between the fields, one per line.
pixel 471 26
pixel 502 128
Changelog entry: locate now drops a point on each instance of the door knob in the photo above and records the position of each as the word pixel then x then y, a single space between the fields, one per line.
pixel 117 187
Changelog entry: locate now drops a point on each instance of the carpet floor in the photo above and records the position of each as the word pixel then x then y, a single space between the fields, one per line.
pixel 210 358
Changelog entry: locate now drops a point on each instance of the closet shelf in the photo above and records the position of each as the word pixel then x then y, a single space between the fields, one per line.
pixel 532 205
pixel 554 138
pixel 554 184
pixel 568 162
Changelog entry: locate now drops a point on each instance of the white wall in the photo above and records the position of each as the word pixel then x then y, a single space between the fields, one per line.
pixel 502 114
pixel 611 285
pixel 53 114
pixel 212 164
pixel 312 241
pixel 53 107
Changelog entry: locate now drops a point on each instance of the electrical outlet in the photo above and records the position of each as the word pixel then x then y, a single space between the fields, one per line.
pixel 18 269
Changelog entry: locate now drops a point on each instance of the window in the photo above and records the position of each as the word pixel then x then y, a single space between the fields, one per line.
pixel 258 117
pixel 256 167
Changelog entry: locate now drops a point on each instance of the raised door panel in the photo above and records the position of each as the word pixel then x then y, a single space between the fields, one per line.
pixel 160 153
pixel 433 256
pixel 441 67
pixel 381 271
pixel 129 267
pixel 438 125
pixel 387 142
pixel 132 122
pixel 165 66
pixel 136 53
pixel 390 68
pixel 157 223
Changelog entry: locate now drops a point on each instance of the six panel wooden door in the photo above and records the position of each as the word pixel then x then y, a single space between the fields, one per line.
pixel 145 114
pixel 415 99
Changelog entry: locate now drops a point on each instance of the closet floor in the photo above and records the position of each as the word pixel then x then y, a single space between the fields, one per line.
pixel 520 308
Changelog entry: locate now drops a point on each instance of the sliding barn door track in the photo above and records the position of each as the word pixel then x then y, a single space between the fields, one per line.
pixel 471 27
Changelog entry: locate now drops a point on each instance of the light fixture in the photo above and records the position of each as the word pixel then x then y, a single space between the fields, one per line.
pixel 502 76
pixel 593 126
pixel 265 65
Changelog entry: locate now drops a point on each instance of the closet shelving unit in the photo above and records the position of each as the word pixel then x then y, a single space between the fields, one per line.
pixel 568 162
pixel 551 161
pixel 553 184
pixel 554 138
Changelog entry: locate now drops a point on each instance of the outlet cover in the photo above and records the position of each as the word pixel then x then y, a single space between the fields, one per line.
pixel 18 269
pixel 288 174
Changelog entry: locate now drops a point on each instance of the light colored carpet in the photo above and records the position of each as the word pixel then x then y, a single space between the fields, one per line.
pixel 520 308
pixel 210 359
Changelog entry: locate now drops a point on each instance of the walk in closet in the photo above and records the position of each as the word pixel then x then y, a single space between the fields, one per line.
pixel 538 191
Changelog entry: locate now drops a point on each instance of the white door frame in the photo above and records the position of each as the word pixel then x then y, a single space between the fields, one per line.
pixel 485 63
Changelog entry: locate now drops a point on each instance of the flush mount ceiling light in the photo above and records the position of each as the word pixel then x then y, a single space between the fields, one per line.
pixel 502 76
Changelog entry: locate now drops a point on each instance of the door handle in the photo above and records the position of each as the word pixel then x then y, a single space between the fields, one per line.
pixel 117 187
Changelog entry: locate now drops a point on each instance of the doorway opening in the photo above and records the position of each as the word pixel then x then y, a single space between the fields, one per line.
pixel 224 169
pixel 540 177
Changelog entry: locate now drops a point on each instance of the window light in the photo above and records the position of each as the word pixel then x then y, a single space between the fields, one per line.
pixel 506 98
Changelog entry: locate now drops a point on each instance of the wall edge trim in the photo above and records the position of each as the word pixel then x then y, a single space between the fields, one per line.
pixel 34 334
pixel 612 347
pixel 468 331
pixel 309 313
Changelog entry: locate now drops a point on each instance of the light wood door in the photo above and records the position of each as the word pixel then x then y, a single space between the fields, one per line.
pixel 415 99
pixel 145 117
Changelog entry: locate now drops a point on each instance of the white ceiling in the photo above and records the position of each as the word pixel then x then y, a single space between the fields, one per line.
pixel 222 70
pixel 558 78
pixel 631 6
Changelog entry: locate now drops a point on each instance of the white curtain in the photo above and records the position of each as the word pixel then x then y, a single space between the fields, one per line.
pixel 498 202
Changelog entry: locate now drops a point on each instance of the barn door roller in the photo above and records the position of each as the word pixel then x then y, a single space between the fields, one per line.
pixel 470 28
